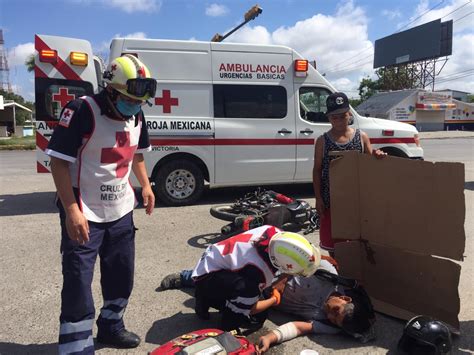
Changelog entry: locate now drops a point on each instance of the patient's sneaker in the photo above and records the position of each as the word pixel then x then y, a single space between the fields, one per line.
pixel 171 281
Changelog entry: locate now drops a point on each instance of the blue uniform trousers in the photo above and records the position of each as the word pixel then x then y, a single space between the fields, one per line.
pixel 115 244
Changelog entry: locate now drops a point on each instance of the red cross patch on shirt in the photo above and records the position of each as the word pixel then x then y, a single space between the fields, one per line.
pixel 65 118
pixel 230 243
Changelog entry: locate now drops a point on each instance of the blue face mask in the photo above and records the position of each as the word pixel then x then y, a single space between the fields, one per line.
pixel 126 108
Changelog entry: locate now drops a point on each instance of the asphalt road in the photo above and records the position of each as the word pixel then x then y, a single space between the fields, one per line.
pixel 169 240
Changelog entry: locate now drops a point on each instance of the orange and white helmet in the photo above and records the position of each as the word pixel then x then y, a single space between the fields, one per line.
pixel 293 254
pixel 129 76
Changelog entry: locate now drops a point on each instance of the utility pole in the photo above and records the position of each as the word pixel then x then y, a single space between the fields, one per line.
pixel 249 16
pixel 4 71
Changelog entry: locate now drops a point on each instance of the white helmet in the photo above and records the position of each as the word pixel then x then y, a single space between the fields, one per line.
pixel 128 75
pixel 293 254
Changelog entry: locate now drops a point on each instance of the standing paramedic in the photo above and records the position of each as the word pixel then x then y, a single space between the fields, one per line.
pixel 96 144
pixel 340 137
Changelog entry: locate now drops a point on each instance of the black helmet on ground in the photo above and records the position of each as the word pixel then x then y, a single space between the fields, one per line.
pixel 425 335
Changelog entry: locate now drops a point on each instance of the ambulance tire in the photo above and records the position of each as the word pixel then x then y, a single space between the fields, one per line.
pixel 394 152
pixel 179 183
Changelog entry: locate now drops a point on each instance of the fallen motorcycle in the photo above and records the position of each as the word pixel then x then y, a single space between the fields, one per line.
pixel 266 207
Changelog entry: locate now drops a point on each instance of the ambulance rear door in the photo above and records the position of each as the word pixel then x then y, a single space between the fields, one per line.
pixel 254 117
pixel 64 70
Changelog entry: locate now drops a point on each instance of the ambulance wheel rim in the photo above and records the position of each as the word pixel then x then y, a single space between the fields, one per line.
pixel 180 184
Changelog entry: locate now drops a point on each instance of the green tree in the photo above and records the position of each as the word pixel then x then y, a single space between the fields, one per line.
pixel 355 102
pixel 21 115
pixel 30 63
pixel 470 98
pixel 367 88
pixel 396 78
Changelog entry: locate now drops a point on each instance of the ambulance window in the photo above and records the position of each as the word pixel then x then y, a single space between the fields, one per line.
pixel 53 94
pixel 250 101
pixel 313 104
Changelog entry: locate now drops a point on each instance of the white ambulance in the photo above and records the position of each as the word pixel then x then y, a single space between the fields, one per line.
pixel 225 114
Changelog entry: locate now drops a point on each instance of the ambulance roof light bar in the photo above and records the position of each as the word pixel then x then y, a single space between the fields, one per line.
pixel 301 67
pixel 249 16
pixel 79 58
pixel 48 56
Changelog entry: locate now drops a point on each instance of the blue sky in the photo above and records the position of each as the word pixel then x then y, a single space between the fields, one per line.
pixel 339 35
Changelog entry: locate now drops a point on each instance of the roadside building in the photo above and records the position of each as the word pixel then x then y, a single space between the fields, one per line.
pixel 8 121
pixel 428 110
pixel 457 95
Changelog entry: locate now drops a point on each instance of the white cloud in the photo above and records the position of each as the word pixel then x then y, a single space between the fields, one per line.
pixel 135 5
pixel 392 14
pixel 128 6
pixel 334 41
pixel 344 85
pixel 339 43
pixel 103 48
pixel 139 35
pixel 215 10
pixel 462 58
pixel 455 10
pixel 248 34
pixel 17 55
pixel 458 72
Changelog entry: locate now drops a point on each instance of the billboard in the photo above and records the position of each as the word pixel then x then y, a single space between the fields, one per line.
pixel 428 41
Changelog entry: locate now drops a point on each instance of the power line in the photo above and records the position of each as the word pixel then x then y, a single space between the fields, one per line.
pixel 459 77
pixel 435 6
pixel 455 76
pixel 470 13
pixel 409 23
pixel 460 7
pixel 349 65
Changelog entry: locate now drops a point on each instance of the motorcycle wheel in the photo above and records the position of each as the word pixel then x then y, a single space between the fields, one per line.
pixel 224 212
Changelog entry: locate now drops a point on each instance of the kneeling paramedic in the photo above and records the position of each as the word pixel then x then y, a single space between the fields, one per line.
pixel 231 274
pixel 96 144
pixel 325 302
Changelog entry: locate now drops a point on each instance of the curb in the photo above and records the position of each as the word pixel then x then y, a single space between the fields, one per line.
pixel 446 135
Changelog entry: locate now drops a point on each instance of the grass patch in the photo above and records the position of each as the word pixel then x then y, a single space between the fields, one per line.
pixel 18 143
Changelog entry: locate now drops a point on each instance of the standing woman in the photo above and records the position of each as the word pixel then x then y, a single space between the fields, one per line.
pixel 341 137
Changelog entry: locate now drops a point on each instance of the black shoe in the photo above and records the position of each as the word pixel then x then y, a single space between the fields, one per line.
pixel 123 339
pixel 202 308
pixel 171 281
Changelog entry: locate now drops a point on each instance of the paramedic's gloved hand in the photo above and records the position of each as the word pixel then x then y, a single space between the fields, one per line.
pixel 379 154
pixel 280 284
pixel 277 296
pixel 320 207
pixel 148 199
pixel 77 225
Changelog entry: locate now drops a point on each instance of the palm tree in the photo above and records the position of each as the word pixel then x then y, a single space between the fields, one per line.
pixel 30 63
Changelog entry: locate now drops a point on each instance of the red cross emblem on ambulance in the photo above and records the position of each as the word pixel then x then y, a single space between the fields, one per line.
pixel 63 97
pixel 166 101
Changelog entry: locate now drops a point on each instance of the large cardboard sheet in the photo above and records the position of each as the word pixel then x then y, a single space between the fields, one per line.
pixel 404 219
pixel 412 205
pixel 401 283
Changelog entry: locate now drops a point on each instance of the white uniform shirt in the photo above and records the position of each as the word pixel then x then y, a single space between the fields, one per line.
pixel 236 253
pixel 103 166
